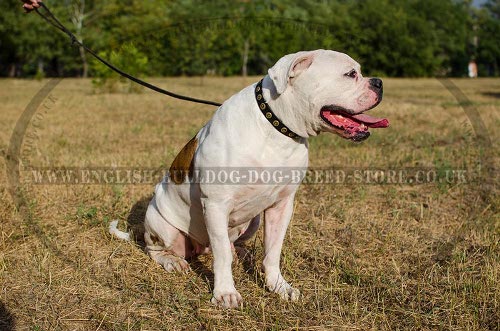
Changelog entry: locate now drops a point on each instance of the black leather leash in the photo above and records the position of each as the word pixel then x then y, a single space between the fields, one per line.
pixel 52 20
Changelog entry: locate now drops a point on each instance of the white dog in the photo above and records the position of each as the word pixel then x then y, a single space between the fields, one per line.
pixel 264 126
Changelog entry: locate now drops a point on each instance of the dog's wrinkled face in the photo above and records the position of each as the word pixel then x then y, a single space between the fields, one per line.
pixel 334 92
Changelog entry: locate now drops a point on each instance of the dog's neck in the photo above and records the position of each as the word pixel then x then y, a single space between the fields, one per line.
pixel 292 114
pixel 271 117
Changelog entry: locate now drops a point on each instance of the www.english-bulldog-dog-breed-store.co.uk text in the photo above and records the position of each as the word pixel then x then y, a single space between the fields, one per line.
pixel 264 126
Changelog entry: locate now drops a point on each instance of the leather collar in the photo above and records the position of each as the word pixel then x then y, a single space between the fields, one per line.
pixel 269 114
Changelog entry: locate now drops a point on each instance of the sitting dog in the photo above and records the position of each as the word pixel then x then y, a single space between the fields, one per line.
pixel 264 126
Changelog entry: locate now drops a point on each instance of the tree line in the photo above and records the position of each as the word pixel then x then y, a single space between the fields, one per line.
pixel 400 38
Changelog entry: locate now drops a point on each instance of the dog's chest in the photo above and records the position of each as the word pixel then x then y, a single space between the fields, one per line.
pixel 253 199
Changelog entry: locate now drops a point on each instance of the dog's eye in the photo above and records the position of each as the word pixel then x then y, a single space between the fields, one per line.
pixel 352 74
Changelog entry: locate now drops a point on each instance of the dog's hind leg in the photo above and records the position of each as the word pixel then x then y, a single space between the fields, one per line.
pixel 164 243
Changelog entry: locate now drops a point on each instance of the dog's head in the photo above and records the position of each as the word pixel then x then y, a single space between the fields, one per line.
pixel 332 93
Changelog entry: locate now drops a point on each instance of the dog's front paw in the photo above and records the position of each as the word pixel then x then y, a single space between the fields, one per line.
pixel 227 299
pixel 288 293
pixel 281 287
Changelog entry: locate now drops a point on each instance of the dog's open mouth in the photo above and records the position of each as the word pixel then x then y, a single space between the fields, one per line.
pixel 354 127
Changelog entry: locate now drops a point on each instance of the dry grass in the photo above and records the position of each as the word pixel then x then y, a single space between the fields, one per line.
pixel 366 257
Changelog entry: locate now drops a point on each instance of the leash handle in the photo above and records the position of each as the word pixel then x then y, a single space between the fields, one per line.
pixel 52 20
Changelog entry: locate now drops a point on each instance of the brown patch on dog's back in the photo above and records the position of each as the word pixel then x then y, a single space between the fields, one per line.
pixel 183 162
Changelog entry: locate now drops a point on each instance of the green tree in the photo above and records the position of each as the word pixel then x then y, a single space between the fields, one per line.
pixel 488 39
pixel 127 58
pixel 194 37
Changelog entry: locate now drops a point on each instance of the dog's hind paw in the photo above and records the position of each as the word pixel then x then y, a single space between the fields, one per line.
pixel 170 262
pixel 176 264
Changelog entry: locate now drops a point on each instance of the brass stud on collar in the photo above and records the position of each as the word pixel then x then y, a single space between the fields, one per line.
pixel 268 113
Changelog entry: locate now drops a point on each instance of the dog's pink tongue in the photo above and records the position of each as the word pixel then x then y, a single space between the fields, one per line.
pixel 371 122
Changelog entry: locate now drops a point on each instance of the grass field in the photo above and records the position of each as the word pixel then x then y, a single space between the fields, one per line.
pixel 365 256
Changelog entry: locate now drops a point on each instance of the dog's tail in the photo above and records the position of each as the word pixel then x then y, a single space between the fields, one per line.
pixel 113 230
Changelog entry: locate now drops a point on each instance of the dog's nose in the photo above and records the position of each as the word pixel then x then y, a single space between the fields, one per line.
pixel 376 82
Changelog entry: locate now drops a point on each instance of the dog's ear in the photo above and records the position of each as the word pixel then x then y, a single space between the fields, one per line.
pixel 289 67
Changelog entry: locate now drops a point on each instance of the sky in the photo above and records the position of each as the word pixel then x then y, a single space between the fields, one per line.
pixel 478 3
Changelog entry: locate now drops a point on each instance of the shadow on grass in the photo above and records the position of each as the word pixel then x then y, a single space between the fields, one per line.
pixel 202 271
pixel 135 220
pixel 245 256
pixel 7 321
pixel 492 94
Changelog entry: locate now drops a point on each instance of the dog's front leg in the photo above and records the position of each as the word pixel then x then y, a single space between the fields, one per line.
pixel 276 222
pixel 216 219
